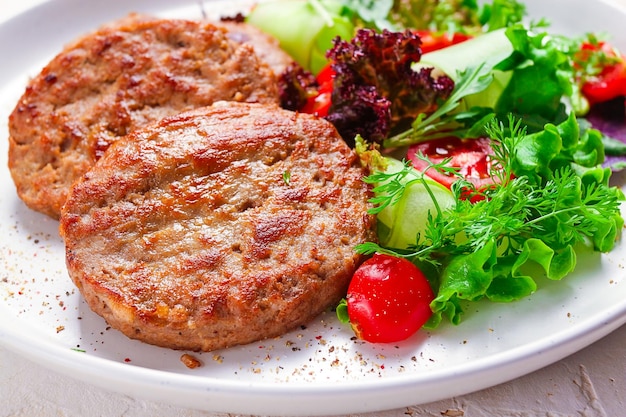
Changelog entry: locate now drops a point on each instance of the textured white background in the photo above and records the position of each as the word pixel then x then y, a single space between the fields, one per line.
pixel 590 383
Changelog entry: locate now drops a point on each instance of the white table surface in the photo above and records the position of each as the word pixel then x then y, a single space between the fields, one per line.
pixel 590 383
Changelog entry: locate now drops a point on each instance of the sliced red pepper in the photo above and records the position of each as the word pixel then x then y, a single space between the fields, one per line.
pixel 320 103
pixel 432 41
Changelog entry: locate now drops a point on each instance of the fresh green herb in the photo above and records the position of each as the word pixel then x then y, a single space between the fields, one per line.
pixel 287 177
pixel 342 311
pixel 394 185
pixel 530 216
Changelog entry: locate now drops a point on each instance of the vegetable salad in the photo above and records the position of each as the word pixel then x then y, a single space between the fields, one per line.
pixel 480 132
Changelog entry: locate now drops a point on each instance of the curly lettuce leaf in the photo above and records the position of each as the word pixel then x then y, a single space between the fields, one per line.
pixel 375 88
pixel 543 153
pixel 539 59
pixel 548 226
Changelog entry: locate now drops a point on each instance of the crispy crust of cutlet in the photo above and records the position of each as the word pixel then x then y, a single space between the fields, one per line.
pixel 217 227
pixel 121 77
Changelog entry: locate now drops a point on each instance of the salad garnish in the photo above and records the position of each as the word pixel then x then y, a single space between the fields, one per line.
pixel 539 211
pixel 480 133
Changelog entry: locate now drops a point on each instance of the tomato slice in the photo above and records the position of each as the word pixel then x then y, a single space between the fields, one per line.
pixel 432 41
pixel 610 83
pixel 471 156
pixel 388 299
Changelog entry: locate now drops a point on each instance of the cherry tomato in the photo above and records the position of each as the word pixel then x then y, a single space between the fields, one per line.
pixel 432 41
pixel 610 83
pixel 320 103
pixel 388 299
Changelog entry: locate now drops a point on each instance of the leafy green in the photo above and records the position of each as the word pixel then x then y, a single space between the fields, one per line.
pixel 542 206
pixel 436 15
pixel 463 16
pixel 442 121
pixel 518 59
pixel 538 59
pixel 543 153
pixel 375 88
pixel 370 13
pixel 342 311
pixel 502 14
pixel 307 27
pixel 503 83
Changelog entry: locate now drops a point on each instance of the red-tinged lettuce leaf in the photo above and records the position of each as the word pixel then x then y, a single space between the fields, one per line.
pixel 610 119
pixel 375 89
pixel 296 85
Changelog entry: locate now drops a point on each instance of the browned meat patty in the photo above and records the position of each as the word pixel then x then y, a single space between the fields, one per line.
pixel 217 227
pixel 266 47
pixel 110 82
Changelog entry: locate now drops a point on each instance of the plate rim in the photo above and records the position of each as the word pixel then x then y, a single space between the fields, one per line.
pixel 227 392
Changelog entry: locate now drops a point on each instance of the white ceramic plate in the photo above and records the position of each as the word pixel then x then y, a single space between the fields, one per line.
pixel 316 370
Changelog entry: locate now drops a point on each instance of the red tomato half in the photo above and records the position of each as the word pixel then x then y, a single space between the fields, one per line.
pixel 611 82
pixel 432 41
pixel 471 156
pixel 388 299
